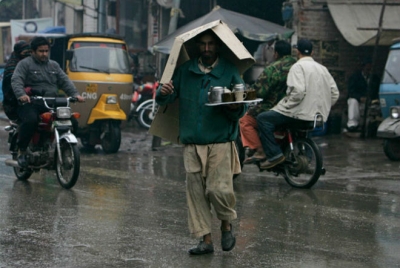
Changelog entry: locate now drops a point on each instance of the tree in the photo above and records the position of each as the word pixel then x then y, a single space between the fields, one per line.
pixel 10 10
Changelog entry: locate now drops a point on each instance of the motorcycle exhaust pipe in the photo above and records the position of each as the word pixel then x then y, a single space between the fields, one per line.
pixel 12 163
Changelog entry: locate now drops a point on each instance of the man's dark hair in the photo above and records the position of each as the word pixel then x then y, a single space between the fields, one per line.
pixel 208 32
pixel 283 48
pixel 39 41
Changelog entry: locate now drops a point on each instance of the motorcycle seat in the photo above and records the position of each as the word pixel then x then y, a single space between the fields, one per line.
pixel 307 125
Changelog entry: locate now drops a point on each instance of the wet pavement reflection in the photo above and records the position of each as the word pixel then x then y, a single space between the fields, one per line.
pixel 129 210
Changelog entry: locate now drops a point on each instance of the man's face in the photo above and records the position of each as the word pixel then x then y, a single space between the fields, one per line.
pixel 41 53
pixel 208 47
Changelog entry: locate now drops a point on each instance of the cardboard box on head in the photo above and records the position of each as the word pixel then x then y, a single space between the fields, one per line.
pixel 166 121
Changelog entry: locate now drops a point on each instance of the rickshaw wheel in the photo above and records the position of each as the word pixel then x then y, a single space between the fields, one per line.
pixel 111 140
pixel 391 147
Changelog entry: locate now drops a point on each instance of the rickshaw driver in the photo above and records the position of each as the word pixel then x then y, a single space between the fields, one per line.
pixel 44 77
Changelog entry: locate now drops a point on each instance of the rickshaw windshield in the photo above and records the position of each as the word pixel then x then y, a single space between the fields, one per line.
pixel 99 57
pixel 392 68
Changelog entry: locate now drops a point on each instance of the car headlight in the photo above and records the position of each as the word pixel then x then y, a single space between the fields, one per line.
pixel 111 100
pixel 394 112
pixel 63 112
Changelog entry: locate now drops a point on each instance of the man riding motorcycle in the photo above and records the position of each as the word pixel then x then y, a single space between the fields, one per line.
pixel 311 90
pixel 43 77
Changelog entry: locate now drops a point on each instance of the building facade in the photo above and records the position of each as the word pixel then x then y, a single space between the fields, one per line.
pixel 315 20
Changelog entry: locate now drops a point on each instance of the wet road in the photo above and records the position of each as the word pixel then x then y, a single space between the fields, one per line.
pixel 129 210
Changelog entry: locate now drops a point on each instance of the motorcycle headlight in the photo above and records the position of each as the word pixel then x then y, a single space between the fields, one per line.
pixel 111 100
pixel 63 112
pixel 394 112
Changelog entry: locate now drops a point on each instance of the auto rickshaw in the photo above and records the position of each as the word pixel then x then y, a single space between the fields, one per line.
pixel 98 65
pixel 389 98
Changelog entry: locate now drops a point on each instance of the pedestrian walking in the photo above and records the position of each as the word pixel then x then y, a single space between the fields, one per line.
pixel 208 134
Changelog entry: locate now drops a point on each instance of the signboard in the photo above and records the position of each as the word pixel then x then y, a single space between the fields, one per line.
pixel 29 26
pixel 73 2
pixel 5 42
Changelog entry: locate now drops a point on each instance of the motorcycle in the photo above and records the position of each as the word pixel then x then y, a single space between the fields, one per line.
pixel 304 163
pixel 144 107
pixel 53 146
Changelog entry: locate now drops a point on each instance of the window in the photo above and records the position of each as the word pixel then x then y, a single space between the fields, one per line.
pixel 392 69
pixel 99 57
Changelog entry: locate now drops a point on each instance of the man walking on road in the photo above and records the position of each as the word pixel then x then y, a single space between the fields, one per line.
pixel 208 134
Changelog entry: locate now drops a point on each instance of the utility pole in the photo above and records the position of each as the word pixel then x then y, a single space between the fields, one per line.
pixel 23 9
pixel 173 23
pixel 101 17
pixel 370 82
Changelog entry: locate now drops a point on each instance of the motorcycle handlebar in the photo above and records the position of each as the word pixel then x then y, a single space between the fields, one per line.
pixel 45 99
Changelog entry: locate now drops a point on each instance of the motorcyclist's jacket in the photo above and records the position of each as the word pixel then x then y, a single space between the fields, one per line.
pixel 311 89
pixel 45 78
pixel 198 123
pixel 271 84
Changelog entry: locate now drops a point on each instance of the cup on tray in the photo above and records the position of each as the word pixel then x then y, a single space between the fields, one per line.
pixel 228 97
pixel 240 95
pixel 251 95
pixel 215 95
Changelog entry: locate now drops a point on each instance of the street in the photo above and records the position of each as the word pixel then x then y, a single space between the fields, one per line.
pixel 129 210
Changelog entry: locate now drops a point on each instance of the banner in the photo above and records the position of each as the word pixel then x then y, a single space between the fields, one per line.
pixel 74 2
pixel 29 26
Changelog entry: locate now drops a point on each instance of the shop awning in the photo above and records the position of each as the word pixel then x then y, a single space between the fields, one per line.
pixel 358 20
pixel 249 27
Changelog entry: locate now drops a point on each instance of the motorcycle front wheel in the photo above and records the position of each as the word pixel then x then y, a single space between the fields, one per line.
pixel 147 114
pixel 67 170
pixel 303 165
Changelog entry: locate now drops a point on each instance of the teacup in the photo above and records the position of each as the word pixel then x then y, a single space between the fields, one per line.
pixel 214 96
pixel 238 87
pixel 228 97
pixel 251 95
pixel 240 95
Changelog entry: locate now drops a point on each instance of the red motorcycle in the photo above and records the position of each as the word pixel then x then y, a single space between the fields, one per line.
pixel 53 146
pixel 144 107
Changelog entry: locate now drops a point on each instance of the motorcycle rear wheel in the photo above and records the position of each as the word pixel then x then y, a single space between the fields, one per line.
pixel 391 148
pixel 21 173
pixel 68 170
pixel 303 166
pixel 146 115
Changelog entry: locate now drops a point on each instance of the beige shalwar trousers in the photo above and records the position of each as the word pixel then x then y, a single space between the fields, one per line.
pixel 209 175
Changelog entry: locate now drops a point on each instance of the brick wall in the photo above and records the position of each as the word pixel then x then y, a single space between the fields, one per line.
pixel 315 22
